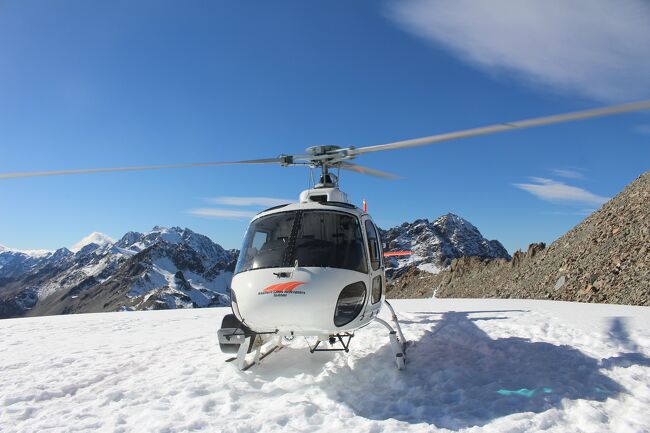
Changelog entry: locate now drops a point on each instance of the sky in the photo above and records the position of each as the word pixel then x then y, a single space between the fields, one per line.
pixel 119 83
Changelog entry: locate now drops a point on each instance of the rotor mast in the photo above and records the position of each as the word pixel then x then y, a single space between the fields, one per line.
pixel 325 156
pixel 327 179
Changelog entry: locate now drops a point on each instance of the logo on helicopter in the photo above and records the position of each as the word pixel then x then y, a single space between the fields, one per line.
pixel 283 289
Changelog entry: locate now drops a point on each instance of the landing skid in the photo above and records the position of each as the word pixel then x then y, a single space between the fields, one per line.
pixel 397 343
pixel 257 352
pixel 397 340
pixel 262 356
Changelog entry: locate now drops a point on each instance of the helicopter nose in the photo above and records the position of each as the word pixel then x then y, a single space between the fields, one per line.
pixel 304 305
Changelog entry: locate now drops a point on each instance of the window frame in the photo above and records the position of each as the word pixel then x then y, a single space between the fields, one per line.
pixel 370 226
pixel 379 277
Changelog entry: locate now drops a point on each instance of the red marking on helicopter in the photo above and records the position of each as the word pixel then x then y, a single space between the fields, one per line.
pixel 283 287
pixel 397 253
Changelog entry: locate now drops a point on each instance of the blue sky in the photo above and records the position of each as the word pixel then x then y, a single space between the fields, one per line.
pixel 153 82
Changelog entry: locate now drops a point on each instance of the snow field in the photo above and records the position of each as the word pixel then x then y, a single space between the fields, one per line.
pixel 473 365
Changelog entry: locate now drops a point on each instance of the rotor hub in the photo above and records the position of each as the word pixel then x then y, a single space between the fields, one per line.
pixel 324 149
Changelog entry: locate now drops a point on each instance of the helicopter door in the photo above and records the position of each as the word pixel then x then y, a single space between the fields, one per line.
pixel 376 271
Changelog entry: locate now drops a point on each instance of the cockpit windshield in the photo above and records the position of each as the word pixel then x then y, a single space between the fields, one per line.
pixel 312 238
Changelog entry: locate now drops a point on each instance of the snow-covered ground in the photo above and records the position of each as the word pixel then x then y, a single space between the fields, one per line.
pixel 473 365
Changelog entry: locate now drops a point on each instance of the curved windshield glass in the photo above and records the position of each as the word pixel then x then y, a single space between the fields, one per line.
pixel 312 238
pixel 266 242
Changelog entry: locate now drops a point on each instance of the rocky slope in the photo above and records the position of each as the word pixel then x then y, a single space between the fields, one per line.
pixel 606 258
pixel 411 283
pixel 164 268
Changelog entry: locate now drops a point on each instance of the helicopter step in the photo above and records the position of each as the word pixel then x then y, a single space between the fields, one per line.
pixel 334 341
pixel 233 334
pixel 258 356
pixel 235 337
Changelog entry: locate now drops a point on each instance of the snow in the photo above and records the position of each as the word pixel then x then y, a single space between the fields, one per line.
pixel 161 277
pixel 94 238
pixel 429 267
pixel 473 365
pixel 171 236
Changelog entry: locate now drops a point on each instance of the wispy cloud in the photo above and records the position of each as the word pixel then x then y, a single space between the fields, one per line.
pixel 222 213
pixel 599 50
pixel 554 191
pixel 237 202
pixel 643 129
pixel 568 174
pixel 249 201
pixel 581 212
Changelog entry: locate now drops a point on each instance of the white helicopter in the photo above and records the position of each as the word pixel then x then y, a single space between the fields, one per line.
pixel 315 268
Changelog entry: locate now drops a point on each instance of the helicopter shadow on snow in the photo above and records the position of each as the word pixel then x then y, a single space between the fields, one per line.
pixel 457 376
pixel 631 355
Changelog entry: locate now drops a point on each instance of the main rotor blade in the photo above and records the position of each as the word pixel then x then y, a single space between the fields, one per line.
pixel 365 170
pixel 136 168
pixel 539 121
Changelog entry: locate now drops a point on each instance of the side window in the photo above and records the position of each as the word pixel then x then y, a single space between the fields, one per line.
pixel 376 289
pixel 373 245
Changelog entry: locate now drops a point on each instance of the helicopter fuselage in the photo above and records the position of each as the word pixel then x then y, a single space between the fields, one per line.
pixel 312 268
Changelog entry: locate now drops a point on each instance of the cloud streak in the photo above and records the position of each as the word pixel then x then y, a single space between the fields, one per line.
pixel 596 49
pixel 249 201
pixel 222 213
pixel 582 212
pixel 239 204
pixel 559 192
pixel 643 129
pixel 568 174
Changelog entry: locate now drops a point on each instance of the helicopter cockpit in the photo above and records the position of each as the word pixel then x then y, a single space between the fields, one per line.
pixel 305 238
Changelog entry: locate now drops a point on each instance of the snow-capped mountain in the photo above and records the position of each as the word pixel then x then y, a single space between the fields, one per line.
pixel 434 244
pixel 14 263
pixel 178 268
pixel 31 253
pixel 163 268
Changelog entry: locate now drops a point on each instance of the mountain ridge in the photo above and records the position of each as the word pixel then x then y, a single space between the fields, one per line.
pixel 179 268
pixel 100 277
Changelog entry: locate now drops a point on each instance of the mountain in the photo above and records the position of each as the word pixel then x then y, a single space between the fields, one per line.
pixel 605 258
pixel 163 268
pixel 435 244
pixel 178 268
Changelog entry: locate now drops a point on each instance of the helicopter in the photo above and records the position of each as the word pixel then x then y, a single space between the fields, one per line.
pixel 315 268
